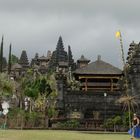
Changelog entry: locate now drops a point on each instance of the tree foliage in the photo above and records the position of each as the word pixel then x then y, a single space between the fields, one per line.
pixel 6 85
pixel 14 59
pixel 9 60
pixel 1 55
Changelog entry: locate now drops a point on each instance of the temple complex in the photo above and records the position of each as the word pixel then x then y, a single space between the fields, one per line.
pixel 95 99
pixel 98 82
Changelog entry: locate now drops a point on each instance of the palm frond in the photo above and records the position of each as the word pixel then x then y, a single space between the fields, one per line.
pixel 129 100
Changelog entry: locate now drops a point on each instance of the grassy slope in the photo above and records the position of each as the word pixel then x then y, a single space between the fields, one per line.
pixel 57 135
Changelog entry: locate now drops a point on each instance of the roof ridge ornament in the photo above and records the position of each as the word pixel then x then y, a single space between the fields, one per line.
pixel 99 58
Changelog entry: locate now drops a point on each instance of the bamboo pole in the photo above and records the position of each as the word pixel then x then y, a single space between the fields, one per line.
pixel 125 74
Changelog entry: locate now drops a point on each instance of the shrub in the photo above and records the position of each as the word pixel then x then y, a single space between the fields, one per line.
pixel 69 124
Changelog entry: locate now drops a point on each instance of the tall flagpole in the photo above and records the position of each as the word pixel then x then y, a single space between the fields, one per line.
pixel 118 35
pixel 123 61
pixel 122 51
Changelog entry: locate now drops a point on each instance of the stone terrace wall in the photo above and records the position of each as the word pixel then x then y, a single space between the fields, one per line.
pixel 88 102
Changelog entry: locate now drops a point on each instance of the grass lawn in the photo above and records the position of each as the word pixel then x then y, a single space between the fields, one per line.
pixel 58 135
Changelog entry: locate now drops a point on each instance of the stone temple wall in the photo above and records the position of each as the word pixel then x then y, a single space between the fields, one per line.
pixel 89 103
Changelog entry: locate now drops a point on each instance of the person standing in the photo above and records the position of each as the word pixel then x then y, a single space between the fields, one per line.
pixel 135 130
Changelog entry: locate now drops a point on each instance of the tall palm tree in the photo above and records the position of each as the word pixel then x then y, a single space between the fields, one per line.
pixel 129 102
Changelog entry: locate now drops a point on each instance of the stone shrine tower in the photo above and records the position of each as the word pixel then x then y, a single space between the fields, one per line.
pixel 133 65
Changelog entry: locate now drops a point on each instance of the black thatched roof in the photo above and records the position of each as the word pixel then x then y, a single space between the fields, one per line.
pixel 63 63
pixel 16 66
pixel 98 67
pixel 83 59
pixel 43 58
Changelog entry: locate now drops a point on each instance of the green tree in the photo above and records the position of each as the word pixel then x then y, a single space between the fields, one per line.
pixel 42 92
pixel 1 55
pixel 14 59
pixel 117 120
pixel 125 118
pixel 44 87
pixel 31 92
pixel 4 63
pixel 6 85
pixel 9 60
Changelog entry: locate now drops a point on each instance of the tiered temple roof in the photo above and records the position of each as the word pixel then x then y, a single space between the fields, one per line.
pixel 98 75
pixel 58 56
pixel 24 60
pixel 82 62
pixel 99 67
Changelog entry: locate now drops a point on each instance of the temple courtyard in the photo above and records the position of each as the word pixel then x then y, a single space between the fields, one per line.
pixel 60 135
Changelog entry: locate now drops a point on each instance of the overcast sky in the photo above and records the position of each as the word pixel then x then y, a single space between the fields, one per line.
pixel 88 26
